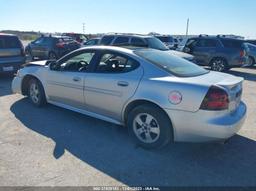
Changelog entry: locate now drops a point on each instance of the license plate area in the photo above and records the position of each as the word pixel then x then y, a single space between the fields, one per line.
pixel 8 69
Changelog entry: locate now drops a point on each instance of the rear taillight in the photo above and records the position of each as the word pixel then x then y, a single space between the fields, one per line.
pixel 60 45
pixel 22 51
pixel 242 53
pixel 215 99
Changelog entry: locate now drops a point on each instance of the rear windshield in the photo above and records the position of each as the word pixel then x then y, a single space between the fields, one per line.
pixel 251 41
pixel 251 47
pixel 172 64
pixel 65 39
pixel 229 43
pixel 165 38
pixel 9 42
pixel 156 44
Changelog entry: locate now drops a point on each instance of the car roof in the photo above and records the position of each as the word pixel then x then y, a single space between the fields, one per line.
pixel 96 38
pixel 6 34
pixel 216 37
pixel 71 33
pixel 164 35
pixel 125 49
pixel 129 35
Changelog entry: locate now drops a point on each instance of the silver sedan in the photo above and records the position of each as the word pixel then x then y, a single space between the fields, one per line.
pixel 160 98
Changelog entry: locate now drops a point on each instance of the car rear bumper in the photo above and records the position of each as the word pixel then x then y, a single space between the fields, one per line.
pixel 239 62
pixel 204 126
pixel 11 64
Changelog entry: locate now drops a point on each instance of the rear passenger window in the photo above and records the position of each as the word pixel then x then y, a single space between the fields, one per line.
pixel 121 41
pixel 115 63
pixel 138 42
pixel 232 43
pixel 206 43
pixel 106 40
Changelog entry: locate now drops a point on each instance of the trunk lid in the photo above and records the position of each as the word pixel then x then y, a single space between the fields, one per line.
pixel 232 85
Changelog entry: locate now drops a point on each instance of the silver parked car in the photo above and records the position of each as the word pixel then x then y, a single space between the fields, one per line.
pixel 159 97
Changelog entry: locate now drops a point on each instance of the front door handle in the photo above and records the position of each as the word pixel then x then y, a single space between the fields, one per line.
pixel 76 79
pixel 122 83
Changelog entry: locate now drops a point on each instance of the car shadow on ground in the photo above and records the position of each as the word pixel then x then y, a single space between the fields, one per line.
pixel 5 84
pixel 108 148
pixel 245 74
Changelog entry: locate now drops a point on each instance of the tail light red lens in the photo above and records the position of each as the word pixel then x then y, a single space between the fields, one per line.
pixel 22 50
pixel 215 99
pixel 242 53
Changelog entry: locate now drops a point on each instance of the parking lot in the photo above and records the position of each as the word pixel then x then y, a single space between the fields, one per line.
pixel 51 146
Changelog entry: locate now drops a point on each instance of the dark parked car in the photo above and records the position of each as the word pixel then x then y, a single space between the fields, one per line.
pixel 52 47
pixel 251 41
pixel 169 41
pixel 252 54
pixel 92 42
pixel 138 40
pixel 220 53
pixel 12 54
pixel 76 36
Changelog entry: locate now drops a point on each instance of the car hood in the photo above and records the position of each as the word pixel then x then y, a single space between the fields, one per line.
pixel 38 63
pixel 181 54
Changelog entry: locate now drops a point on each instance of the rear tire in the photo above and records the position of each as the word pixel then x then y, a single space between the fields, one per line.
pixel 31 55
pixel 36 93
pixel 251 61
pixel 52 56
pixel 219 65
pixel 149 126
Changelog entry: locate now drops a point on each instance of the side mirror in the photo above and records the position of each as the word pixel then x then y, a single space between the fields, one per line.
pixel 54 66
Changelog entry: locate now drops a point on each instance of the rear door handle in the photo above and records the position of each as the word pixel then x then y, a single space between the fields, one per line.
pixel 76 79
pixel 122 83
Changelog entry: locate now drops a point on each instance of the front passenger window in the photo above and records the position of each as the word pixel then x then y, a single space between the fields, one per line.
pixel 114 63
pixel 79 63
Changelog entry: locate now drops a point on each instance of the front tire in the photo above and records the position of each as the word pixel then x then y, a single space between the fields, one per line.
pixel 36 93
pixel 31 55
pixel 219 65
pixel 149 126
pixel 251 61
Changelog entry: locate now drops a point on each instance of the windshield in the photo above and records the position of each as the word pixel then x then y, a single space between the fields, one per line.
pixel 156 44
pixel 172 64
pixel 251 47
pixel 9 42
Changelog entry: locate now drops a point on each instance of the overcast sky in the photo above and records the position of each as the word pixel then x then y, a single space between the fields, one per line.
pixel 138 16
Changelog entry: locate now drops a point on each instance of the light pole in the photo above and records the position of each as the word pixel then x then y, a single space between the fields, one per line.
pixel 83 28
pixel 187 27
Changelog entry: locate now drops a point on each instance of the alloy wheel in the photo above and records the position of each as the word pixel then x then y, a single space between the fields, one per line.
pixel 218 65
pixel 146 128
pixel 34 92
